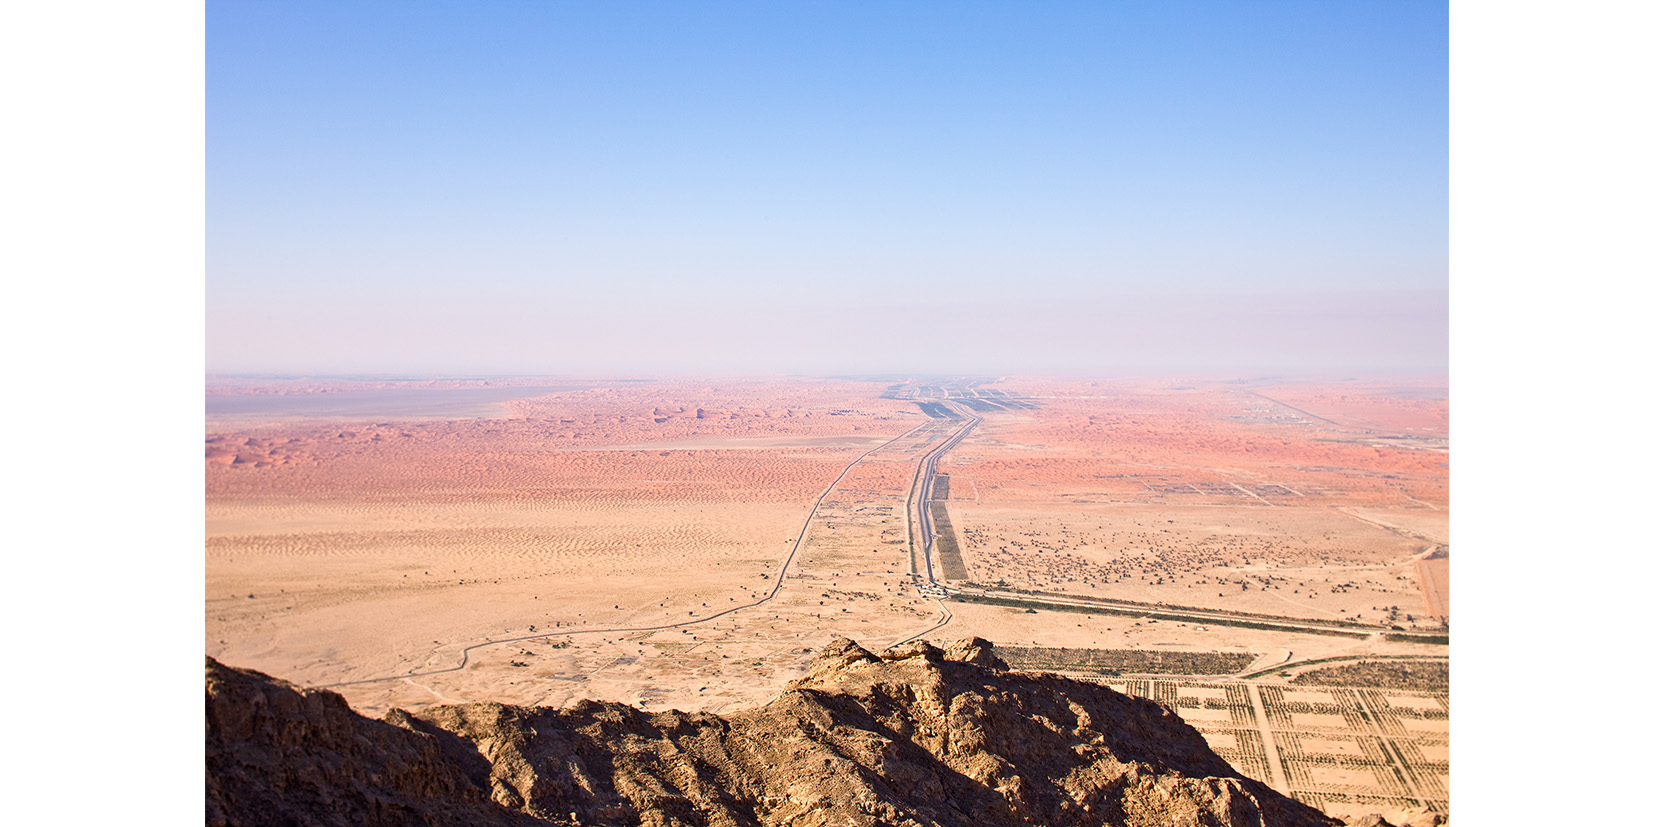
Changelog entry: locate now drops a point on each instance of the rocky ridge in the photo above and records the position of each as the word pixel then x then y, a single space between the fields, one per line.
pixel 917 736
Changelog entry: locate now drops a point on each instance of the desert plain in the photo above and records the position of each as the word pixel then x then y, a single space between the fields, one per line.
pixel 1268 557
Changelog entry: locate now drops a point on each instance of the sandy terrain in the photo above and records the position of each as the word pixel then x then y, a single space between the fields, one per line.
pixel 627 541
pixel 1318 503
pixel 1192 496
pixel 344 551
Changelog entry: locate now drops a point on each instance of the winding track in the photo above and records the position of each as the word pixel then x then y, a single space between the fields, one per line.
pixel 924 480
pixel 780 580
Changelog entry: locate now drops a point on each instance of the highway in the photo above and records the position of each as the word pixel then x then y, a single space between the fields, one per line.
pixel 924 484
pixel 954 397
pixel 948 402
pixel 918 508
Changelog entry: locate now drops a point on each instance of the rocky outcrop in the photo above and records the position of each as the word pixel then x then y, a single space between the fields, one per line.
pixel 913 736
pixel 278 754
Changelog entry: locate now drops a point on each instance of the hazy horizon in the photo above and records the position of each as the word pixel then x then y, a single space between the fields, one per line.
pixel 741 188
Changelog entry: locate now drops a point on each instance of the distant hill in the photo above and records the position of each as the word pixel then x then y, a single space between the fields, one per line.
pixel 917 736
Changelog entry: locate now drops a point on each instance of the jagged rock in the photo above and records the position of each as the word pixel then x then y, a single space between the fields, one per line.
pixel 1373 820
pixel 977 652
pixel 841 653
pixel 914 649
pixel 1414 817
pixel 921 737
pixel 278 754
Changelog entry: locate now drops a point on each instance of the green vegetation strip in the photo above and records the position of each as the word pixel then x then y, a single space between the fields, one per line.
pixel 947 545
pixel 1404 637
pixel 1157 614
pixel 1424 675
pixel 1122 661
pixel 1316 663
pixel 1352 624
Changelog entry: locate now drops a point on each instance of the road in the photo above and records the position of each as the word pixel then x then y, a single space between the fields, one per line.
pixel 922 537
pixel 919 499
pixel 924 484
pixel 780 580
pixel 921 529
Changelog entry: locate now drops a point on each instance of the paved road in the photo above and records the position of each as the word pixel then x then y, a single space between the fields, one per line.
pixel 918 502
pixel 919 494
pixel 924 487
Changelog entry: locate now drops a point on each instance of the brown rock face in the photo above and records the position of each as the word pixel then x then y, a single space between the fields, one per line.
pixel 278 754
pixel 919 736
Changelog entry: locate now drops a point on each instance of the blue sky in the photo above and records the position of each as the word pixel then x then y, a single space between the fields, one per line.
pixel 826 188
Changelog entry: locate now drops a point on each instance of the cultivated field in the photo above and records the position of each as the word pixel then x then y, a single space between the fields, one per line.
pixel 1348 751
